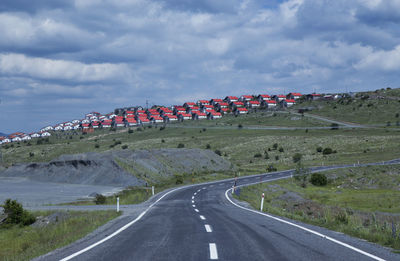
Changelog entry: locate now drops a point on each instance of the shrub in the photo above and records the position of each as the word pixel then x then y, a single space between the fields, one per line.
pixel 271 168
pixel 266 156
pixel 139 129
pixel 275 146
pixel 130 131
pixel 99 199
pixel 334 126
pixel 318 179
pixel 204 129
pixel 178 179
pixel 281 149
pixel 16 214
pixel 208 146
pixel 97 146
pixel 31 154
pixel 327 151
pixel 181 145
pixel 297 157
pixel 218 152
pixel 162 141
pixel 162 128
pixel 240 126
pixel 257 155
pixel 124 147
pixel 319 149
pixel 276 157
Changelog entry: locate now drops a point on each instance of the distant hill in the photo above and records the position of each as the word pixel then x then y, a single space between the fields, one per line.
pixel 3 134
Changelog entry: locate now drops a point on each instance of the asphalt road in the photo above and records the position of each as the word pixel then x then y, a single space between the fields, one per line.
pixel 203 222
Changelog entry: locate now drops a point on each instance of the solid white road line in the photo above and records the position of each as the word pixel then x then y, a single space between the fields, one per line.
pixel 196 210
pixel 195 193
pixel 194 206
pixel 301 227
pixel 119 230
pixel 202 217
pixel 213 251
pixel 208 228
pixel 192 201
pixel 192 197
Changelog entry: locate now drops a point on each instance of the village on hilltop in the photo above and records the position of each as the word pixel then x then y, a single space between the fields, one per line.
pixel 139 116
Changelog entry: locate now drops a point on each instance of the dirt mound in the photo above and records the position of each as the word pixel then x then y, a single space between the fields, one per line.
pixel 121 168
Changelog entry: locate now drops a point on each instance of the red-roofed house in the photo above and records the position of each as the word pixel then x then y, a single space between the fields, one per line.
pixel 230 99
pixel 263 97
pixel 189 104
pixel 131 122
pixel 241 111
pixel 211 115
pixel 313 96
pixel 236 104
pixel 287 102
pixel 253 104
pixel 269 104
pixel 156 119
pixel 279 97
pixel 184 116
pixel 294 96
pixel 168 118
pixel 215 101
pixel 199 115
pixel 245 98
pixel 203 102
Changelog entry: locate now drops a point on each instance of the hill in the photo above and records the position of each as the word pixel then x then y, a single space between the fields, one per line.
pixel 3 134
pixel 378 108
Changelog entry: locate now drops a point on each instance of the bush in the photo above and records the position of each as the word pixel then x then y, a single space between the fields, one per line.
pixel 31 154
pixel 275 146
pixel 99 199
pixel 327 151
pixel 97 146
pixel 257 155
pixel 218 152
pixel 271 168
pixel 319 149
pixel 162 141
pixel 334 126
pixel 124 147
pixel 181 145
pixel 297 157
pixel 266 156
pixel 281 149
pixel 276 157
pixel 162 128
pixel 139 129
pixel 208 146
pixel 130 131
pixel 240 126
pixel 318 179
pixel 16 214
pixel 178 179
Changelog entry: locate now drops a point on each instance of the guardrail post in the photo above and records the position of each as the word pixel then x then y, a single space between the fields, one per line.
pixel 117 204
pixel 262 202
pixel 152 190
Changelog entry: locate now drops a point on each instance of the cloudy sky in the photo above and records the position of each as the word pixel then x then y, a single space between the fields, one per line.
pixel 60 59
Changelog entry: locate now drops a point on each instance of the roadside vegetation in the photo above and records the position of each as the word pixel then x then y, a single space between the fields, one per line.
pixel 361 202
pixel 25 235
pixel 377 108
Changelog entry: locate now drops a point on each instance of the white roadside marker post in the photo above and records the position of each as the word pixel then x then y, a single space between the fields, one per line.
pixel 262 202
pixel 117 204
pixel 152 190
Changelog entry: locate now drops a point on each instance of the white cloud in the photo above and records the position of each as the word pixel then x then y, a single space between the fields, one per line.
pixel 19 65
pixel 381 60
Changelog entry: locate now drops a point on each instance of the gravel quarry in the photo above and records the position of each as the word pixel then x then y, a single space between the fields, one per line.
pixel 78 177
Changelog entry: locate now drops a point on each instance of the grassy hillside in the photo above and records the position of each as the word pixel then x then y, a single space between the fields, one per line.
pixel 381 108
pixel 362 202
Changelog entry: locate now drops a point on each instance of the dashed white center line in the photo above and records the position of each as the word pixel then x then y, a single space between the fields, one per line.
pixel 194 206
pixel 198 190
pixel 192 197
pixel 208 228
pixel 196 210
pixel 195 193
pixel 192 201
pixel 213 251
pixel 204 187
pixel 202 217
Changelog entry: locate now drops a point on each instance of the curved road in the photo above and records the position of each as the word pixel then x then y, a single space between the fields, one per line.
pixel 203 222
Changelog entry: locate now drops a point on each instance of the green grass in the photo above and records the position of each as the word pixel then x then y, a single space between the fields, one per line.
pixel 361 202
pixel 237 145
pixel 25 243
pixel 375 112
